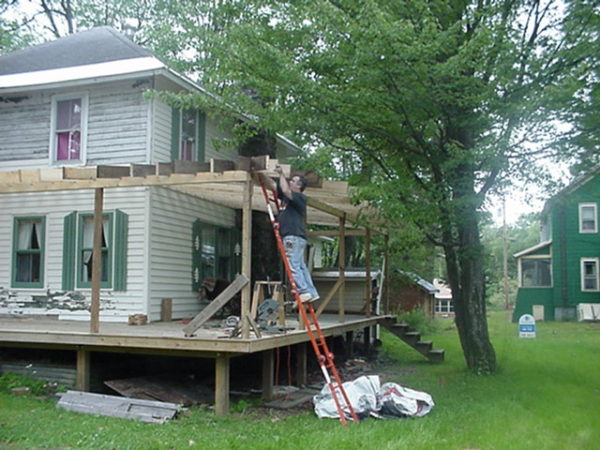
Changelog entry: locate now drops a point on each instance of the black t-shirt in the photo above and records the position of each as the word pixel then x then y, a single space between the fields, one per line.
pixel 291 216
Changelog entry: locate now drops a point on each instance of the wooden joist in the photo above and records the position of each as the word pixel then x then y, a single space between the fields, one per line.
pixel 214 306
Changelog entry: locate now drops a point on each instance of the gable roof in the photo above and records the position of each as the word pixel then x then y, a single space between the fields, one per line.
pixel 421 282
pixel 573 186
pixel 98 45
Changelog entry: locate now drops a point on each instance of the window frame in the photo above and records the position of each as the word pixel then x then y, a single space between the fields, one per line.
pixel 194 150
pixel 79 283
pixel 535 258
pixel 53 157
pixel 594 206
pixel 446 303
pixel 42 252
pixel 583 278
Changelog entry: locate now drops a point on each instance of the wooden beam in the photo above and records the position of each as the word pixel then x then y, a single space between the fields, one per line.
pixel 342 269
pixel 368 287
pixel 222 370
pixel 82 377
pixel 334 233
pixel 246 253
pixel 268 367
pixel 334 289
pixel 143 170
pixel 321 206
pixel 112 171
pixel 97 261
pixel 221 165
pixel 190 167
pixel 301 364
pixel 234 287
pixel 79 173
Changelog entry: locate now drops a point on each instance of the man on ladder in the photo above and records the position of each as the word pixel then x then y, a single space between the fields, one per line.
pixel 291 226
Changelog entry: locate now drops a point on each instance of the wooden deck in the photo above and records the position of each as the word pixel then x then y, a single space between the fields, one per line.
pixel 167 338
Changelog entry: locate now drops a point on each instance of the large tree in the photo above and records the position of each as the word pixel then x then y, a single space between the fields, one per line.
pixel 439 98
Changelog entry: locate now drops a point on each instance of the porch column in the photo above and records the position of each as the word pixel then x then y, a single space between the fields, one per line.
pixel 268 366
pixel 82 377
pixel 96 261
pixel 386 273
pixel 368 287
pixel 222 370
pixel 342 268
pixel 246 255
pixel 301 364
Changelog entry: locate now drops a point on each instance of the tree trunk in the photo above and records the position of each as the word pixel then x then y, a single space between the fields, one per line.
pixel 464 262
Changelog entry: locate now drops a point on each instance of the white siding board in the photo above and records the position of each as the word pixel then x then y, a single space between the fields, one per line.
pixel 215 132
pixel 55 206
pixel 172 216
pixel 161 132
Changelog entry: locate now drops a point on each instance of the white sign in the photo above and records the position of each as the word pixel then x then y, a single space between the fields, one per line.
pixel 526 326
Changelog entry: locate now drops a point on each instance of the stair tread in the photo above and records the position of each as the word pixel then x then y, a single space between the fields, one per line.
pixel 437 350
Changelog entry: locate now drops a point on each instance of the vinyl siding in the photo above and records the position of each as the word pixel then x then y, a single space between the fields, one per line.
pixel 161 130
pixel 116 129
pixel 55 206
pixel 172 215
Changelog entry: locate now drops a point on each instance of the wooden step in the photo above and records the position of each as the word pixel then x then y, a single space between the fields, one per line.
pixel 436 355
pixel 411 337
pixel 424 346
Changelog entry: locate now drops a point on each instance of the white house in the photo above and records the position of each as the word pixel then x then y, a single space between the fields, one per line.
pixel 80 101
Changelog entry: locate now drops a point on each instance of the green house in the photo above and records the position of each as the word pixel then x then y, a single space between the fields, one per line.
pixel 560 275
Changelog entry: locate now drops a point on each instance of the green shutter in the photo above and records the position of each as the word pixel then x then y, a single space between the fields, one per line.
pixel 120 251
pixel 201 136
pixel 196 255
pixel 175 121
pixel 69 243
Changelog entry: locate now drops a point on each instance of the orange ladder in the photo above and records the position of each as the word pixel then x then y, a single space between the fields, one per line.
pixel 324 355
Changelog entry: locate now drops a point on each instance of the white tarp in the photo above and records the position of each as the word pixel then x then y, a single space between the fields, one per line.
pixel 369 398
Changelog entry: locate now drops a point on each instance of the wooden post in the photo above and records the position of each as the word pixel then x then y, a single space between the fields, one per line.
pixel 349 344
pixel 342 269
pixel 97 261
pixel 367 341
pixel 301 364
pixel 386 274
pixel 166 309
pixel 82 380
pixel 368 287
pixel 222 384
pixel 246 254
pixel 268 366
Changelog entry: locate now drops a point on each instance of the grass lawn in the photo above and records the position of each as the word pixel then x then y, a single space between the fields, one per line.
pixel 546 395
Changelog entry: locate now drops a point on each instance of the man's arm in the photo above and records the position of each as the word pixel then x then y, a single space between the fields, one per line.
pixel 283 183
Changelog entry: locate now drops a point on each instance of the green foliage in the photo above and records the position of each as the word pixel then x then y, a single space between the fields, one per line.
pixel 419 320
pixel 11 380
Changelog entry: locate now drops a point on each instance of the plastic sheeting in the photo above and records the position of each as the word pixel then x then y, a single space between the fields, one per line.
pixel 369 398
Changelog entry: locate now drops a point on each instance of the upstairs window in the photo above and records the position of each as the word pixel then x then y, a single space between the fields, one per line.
pixel 589 274
pixel 69 117
pixel 188 127
pixel 536 272
pixel 588 218
pixel 28 253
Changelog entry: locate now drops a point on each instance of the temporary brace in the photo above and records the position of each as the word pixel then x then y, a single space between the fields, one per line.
pixel 319 344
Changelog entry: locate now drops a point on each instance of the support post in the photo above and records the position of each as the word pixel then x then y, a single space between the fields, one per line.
pixel 342 269
pixel 222 370
pixel 268 366
pixel 246 254
pixel 97 261
pixel 82 379
pixel 386 273
pixel 349 344
pixel 301 364
pixel 367 341
pixel 368 287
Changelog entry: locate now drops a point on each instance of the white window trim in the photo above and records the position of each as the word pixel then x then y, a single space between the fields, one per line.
pixel 196 120
pixel 582 274
pixel 84 96
pixel 587 205
pixel 520 271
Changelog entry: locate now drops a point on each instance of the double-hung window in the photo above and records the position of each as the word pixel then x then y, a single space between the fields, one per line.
pixel 69 125
pixel 78 246
pixel 588 218
pixel 188 127
pixel 28 252
pixel 590 280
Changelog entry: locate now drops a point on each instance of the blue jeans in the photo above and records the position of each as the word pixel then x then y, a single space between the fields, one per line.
pixel 294 249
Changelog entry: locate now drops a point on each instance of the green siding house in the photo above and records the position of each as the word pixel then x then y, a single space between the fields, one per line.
pixel 561 273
